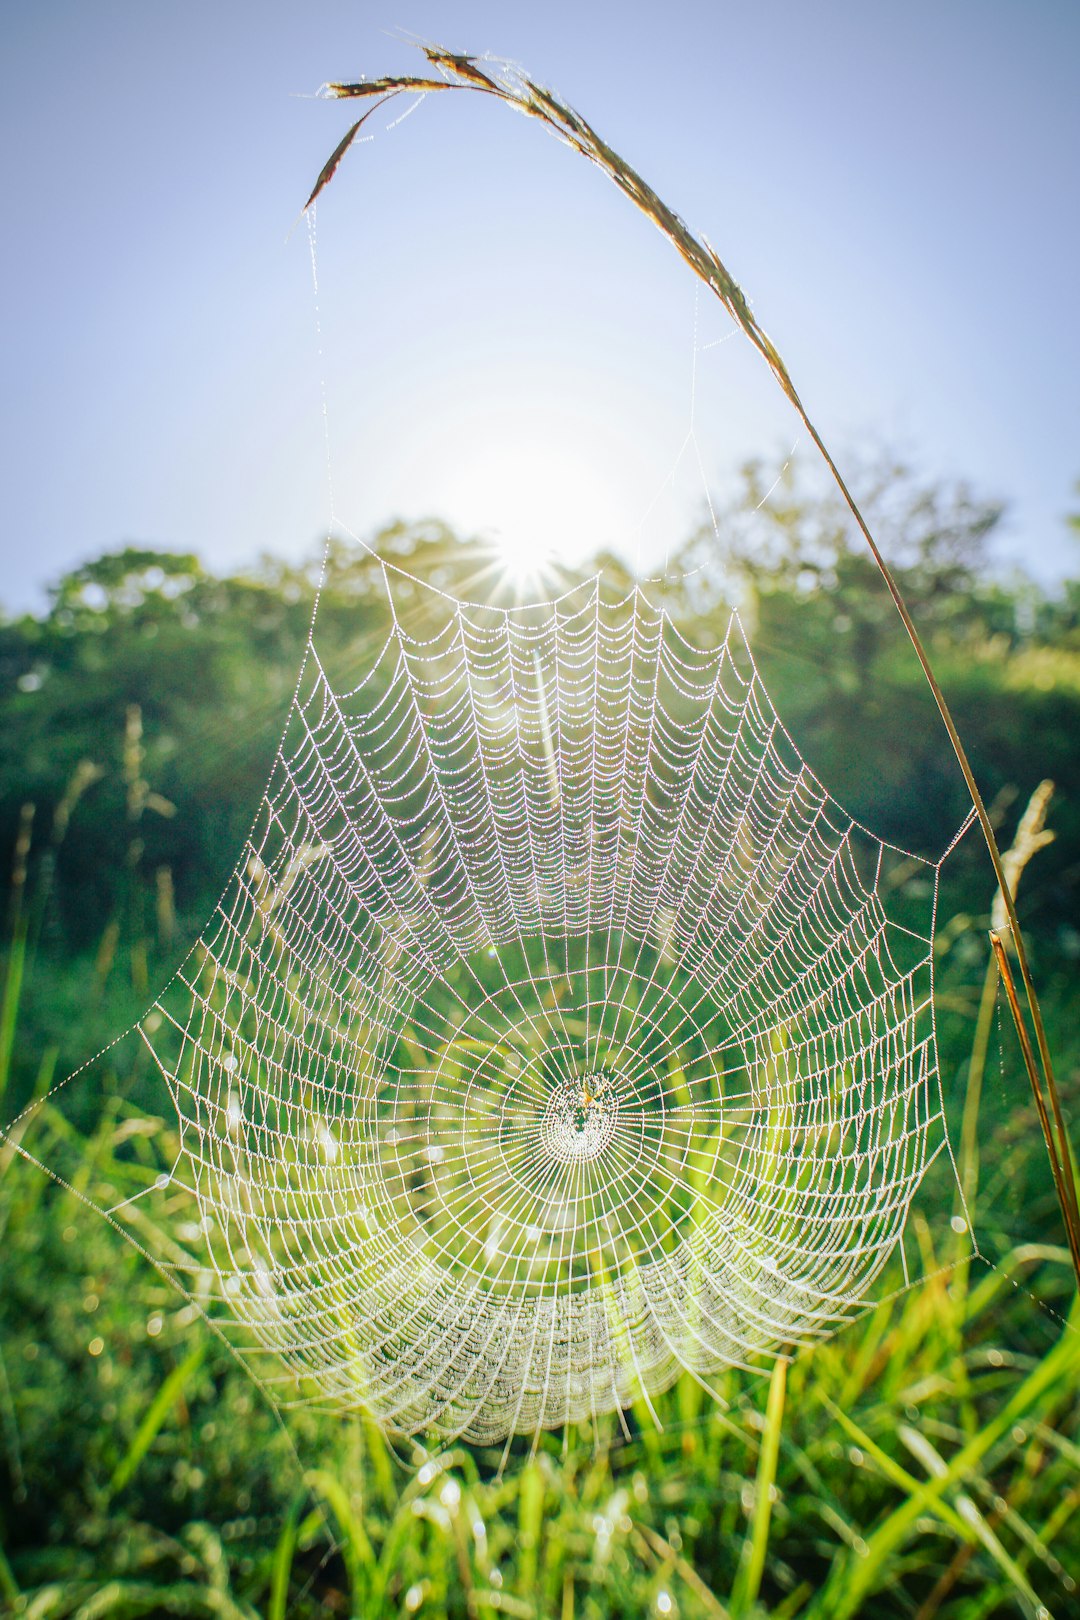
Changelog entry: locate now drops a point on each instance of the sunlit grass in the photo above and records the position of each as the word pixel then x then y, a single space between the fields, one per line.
pixel 923 1462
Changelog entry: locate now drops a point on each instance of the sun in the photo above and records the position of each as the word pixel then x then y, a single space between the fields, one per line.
pixel 518 559
pixel 539 504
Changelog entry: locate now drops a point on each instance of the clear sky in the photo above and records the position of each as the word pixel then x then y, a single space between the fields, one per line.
pixel 503 340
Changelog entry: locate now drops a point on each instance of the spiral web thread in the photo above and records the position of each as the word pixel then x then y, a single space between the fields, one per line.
pixel 556 1033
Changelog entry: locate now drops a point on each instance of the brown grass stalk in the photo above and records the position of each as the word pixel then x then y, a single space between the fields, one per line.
pixel 502 82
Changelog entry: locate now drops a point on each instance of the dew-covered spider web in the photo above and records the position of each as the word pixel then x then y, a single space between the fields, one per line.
pixel 556 1033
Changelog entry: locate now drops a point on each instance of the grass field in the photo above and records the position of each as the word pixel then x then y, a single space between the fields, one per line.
pixel 924 1462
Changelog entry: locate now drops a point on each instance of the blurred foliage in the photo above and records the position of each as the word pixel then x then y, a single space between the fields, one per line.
pixel 845 680
pixel 924 1463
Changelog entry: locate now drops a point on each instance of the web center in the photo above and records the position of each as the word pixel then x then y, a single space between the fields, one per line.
pixel 580 1117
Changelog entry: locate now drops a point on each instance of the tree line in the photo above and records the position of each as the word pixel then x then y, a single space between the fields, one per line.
pixel 140 710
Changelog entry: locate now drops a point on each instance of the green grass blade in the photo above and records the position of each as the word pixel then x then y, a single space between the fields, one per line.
pixel 850 1582
pixel 281 1568
pixel 9 1586
pixel 752 1565
pixel 158 1410
pixel 359 1555
pixel 530 1523
pixel 935 1465
pixel 899 1476
pixel 9 1006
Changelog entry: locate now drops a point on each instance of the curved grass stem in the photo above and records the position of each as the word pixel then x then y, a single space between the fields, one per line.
pixel 508 84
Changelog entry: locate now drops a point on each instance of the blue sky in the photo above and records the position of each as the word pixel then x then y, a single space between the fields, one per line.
pixel 501 338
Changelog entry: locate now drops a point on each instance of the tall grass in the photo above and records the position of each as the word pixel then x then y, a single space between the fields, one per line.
pixel 924 1463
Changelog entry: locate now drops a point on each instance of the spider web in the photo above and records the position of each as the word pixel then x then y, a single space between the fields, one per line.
pixel 557 1032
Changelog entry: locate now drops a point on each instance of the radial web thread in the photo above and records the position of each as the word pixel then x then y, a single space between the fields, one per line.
pixel 557 1032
